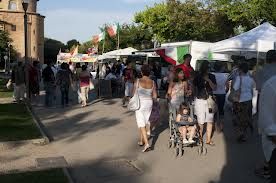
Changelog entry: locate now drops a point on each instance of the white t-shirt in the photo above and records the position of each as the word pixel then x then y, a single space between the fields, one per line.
pixel 246 87
pixel 267 115
pixel 221 79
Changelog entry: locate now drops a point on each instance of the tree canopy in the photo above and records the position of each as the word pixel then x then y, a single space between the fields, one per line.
pixel 51 49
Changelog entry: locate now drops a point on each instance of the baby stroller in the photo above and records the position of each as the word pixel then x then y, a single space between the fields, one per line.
pixel 175 137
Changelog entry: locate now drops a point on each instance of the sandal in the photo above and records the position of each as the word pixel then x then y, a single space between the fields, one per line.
pixel 210 143
pixel 146 149
pixel 140 143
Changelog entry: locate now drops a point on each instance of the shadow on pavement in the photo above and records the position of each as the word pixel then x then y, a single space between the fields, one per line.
pixel 105 170
pixel 241 159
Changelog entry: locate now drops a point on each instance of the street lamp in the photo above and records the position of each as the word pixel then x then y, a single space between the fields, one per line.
pixel 25 4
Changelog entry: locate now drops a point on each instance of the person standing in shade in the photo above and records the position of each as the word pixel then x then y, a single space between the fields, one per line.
pixel 49 84
pixel 220 93
pixel 19 79
pixel 245 83
pixel 84 77
pixel 64 81
pixel 204 84
pixel 267 124
pixel 129 77
pixel 34 78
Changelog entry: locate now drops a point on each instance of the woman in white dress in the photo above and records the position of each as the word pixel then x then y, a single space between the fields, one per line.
pixel 147 93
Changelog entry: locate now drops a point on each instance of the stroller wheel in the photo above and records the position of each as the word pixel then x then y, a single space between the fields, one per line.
pixel 169 144
pixel 173 144
pixel 202 151
pixel 176 152
pixel 181 152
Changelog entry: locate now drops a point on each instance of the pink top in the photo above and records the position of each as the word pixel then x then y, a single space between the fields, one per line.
pixel 84 79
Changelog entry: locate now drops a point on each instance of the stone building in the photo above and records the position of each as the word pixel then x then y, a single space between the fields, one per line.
pixel 12 21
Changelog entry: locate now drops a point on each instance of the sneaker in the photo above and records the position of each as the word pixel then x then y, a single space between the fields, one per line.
pixel 191 141
pixel 185 141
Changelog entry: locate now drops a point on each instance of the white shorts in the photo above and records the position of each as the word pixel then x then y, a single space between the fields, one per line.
pixel 128 89
pixel 202 111
pixel 143 114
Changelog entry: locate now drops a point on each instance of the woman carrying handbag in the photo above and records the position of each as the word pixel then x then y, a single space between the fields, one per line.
pixel 145 92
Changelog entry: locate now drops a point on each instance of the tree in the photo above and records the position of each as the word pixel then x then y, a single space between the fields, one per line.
pixel 157 20
pixel 131 35
pixel 72 43
pixel 248 13
pixel 52 48
pixel 189 20
pixel 6 47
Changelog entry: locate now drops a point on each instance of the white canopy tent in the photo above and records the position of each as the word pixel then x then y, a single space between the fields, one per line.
pixel 117 53
pixel 254 43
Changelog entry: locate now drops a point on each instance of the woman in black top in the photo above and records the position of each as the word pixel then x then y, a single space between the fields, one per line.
pixel 204 84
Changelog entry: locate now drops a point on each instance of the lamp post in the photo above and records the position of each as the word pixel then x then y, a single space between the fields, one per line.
pixel 25 4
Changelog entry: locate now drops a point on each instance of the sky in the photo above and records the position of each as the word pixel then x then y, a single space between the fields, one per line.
pixel 81 19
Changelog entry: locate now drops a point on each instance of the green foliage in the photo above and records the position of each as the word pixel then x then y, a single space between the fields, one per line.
pixel 72 43
pixel 85 46
pixel 157 20
pixel 188 20
pixel 248 13
pixel 131 35
pixel 5 40
pixel 51 49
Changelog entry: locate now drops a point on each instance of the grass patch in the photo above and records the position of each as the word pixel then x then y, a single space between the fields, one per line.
pixel 16 123
pixel 48 176
pixel 4 92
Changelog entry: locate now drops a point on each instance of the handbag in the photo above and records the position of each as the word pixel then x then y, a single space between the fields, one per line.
pixel 212 105
pixel 134 102
pixel 9 84
pixel 91 85
pixel 235 95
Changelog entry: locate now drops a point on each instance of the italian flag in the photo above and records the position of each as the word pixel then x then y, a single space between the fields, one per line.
pixel 113 30
pixel 99 38
pixel 173 55
pixel 75 51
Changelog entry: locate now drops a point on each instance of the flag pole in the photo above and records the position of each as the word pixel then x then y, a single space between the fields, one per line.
pixel 103 46
pixel 118 32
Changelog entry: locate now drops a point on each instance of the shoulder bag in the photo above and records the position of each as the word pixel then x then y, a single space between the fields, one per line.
pixel 134 102
pixel 235 95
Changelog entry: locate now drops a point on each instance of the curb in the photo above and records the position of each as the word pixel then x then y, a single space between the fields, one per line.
pixel 39 125
pixel 68 175
pixel 34 169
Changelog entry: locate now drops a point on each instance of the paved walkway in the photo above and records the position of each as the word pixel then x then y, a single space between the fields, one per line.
pixel 100 144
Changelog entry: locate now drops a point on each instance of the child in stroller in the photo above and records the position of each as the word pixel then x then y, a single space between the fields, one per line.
pixel 186 124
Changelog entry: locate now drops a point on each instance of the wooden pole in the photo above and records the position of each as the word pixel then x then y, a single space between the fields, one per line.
pixel 103 47
pixel 118 32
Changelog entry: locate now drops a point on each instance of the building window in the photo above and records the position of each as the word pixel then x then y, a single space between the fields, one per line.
pixel 34 48
pixel 12 5
pixel 13 27
pixel 34 32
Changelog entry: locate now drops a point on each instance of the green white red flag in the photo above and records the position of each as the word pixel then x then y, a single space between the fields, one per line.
pixel 98 38
pixel 113 30
pixel 75 51
pixel 173 55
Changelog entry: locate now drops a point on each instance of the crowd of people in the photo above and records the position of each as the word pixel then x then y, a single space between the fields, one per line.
pixel 208 93
pixel 69 80
pixel 205 91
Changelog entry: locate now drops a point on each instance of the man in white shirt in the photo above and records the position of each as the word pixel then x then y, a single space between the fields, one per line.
pixel 267 123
